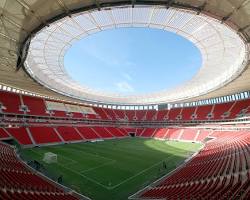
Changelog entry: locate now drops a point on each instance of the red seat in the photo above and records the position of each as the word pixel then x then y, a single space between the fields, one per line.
pixel 44 134
pixel 69 133
pixel 11 102
pixel 20 134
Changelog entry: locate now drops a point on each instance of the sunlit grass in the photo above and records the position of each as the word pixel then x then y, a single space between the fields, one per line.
pixel 113 169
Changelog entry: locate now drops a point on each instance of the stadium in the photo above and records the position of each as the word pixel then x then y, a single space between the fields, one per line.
pixel 64 139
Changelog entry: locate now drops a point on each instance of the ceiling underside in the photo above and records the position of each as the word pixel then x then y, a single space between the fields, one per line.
pixel 223 51
pixel 21 18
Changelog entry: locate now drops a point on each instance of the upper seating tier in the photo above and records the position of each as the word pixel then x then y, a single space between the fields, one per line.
pixel 29 105
pixel 10 102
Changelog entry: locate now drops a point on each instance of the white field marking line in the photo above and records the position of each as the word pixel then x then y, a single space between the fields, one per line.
pixel 96 155
pixel 112 187
pixel 90 179
pixel 141 172
pixel 40 154
pixel 71 161
pixel 125 148
pixel 99 166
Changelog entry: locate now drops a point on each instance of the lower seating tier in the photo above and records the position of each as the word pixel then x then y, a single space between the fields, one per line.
pixel 47 134
pixel 220 171
pixel 19 182
pixel 43 135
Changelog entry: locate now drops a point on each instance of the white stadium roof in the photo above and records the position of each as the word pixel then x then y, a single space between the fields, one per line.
pixel 219 28
pixel 223 52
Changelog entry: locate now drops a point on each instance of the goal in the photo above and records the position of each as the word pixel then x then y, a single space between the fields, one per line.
pixel 50 157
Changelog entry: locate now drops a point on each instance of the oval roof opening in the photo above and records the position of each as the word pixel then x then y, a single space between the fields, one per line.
pixel 132 61
pixel 224 53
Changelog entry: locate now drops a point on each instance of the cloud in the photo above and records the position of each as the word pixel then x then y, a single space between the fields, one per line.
pixel 127 76
pixel 109 56
pixel 124 86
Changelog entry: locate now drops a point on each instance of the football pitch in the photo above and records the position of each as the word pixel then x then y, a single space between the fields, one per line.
pixel 112 169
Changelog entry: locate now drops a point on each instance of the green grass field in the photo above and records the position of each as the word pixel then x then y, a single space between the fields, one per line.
pixel 112 169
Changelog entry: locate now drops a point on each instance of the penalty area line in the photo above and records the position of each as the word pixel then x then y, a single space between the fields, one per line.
pixel 99 166
pixel 141 172
pixel 94 155
pixel 66 158
pixel 90 179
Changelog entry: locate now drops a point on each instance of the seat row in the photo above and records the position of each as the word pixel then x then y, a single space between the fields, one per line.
pixel 61 134
pixel 219 171
pixel 17 181
pixel 34 135
pixel 34 106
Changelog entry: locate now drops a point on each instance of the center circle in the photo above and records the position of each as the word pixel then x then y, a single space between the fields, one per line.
pixel 131 61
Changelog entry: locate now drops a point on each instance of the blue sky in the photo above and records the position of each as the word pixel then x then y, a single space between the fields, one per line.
pixel 132 60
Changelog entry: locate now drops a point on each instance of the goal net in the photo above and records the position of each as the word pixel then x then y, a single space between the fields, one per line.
pixel 50 157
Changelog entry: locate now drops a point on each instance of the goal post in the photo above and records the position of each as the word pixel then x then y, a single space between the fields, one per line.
pixel 50 157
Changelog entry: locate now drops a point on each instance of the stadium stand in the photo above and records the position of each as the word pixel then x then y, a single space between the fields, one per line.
pixel 101 113
pixel 222 166
pixel 10 102
pixel 140 115
pixel 202 134
pixel 240 108
pixel 18 182
pixel 137 131
pixel 20 134
pixel 69 133
pixel 160 133
pixel 203 111
pixel 148 132
pixel 110 114
pixel 222 110
pixel 61 134
pixel 45 135
pixel 59 113
pixel 149 116
pixel 173 134
pixel 102 132
pixel 219 171
pixel 161 115
pixel 188 112
pixel 116 132
pixel 174 114
pixel 79 115
pixel 36 106
pixel 4 134
pixel 38 102
pixel 131 115
pixel 120 114
pixel 88 133
pixel 189 134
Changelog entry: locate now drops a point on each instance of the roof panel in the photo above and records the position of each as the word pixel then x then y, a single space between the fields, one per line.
pixel 208 34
